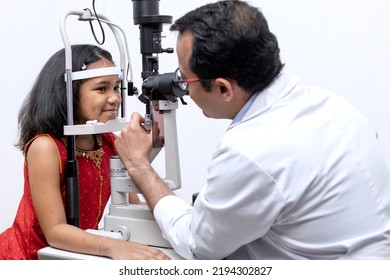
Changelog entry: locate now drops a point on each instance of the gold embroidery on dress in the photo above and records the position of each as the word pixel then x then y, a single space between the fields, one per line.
pixel 96 155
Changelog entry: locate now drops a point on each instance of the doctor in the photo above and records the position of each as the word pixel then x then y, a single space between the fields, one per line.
pixel 298 174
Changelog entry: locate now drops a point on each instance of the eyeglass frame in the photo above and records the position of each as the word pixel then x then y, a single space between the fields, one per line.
pixel 186 82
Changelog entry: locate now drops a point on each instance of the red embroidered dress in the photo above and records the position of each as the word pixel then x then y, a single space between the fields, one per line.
pixel 25 237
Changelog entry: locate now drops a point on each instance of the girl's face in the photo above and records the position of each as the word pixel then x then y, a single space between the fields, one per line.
pixel 99 97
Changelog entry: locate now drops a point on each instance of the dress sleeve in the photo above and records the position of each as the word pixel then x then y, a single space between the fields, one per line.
pixel 237 206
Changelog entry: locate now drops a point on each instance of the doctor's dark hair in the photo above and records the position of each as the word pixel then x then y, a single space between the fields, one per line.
pixel 231 40
pixel 45 110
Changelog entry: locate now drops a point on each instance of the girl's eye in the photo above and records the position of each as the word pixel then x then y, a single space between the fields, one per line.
pixel 101 89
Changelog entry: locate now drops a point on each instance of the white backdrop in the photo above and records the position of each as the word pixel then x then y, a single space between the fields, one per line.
pixel 340 45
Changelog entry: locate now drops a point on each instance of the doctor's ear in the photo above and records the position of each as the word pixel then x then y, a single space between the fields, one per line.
pixel 225 88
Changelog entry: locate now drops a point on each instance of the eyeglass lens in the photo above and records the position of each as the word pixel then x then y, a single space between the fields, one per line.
pixel 181 83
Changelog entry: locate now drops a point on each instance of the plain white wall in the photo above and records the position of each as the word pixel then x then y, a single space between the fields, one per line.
pixel 340 45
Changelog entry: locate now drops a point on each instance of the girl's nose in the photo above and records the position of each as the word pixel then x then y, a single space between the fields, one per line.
pixel 115 97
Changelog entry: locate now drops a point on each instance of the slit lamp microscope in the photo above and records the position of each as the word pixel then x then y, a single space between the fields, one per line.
pixel 160 96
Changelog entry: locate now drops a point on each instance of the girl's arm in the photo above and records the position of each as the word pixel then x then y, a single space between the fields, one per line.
pixel 44 177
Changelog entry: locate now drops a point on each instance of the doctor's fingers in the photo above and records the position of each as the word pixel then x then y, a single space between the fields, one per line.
pixel 136 120
pixel 135 126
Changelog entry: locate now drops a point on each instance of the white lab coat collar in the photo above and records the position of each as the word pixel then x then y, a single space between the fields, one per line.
pixel 279 88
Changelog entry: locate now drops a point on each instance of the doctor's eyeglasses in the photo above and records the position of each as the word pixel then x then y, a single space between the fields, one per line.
pixel 183 83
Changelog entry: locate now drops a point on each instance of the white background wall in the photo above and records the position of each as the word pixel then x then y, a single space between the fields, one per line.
pixel 340 45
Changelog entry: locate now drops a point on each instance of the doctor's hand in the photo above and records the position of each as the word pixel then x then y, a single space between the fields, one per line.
pixel 134 144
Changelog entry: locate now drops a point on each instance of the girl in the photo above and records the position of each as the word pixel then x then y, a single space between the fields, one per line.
pixel 41 220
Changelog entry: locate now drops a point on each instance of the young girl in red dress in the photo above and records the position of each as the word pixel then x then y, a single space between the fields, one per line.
pixel 40 219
